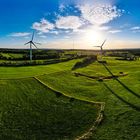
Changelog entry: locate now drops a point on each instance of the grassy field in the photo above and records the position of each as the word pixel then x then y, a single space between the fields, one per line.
pixel 30 71
pixel 28 97
pixel 31 111
pixel 122 111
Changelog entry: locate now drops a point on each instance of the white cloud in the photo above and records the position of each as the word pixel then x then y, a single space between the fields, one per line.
pixel 21 34
pixel 115 31
pixel 99 14
pixel 54 32
pixel 69 22
pixel 67 31
pixel 103 28
pixel 92 28
pixel 135 29
pixel 43 26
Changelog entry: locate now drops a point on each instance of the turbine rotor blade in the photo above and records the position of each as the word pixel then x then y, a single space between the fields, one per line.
pixel 27 43
pixel 34 44
pixel 33 36
pixel 97 46
pixel 103 43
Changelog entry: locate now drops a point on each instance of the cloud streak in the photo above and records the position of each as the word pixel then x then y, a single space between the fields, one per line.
pixel 20 34
pixel 135 29
pixel 115 31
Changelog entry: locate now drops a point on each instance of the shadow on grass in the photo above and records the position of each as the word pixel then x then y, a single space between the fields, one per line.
pixel 131 105
pixel 121 83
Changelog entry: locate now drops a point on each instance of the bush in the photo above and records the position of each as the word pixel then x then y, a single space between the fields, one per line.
pixel 85 62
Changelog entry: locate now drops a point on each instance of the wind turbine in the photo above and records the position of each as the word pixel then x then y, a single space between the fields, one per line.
pixel 101 47
pixel 32 43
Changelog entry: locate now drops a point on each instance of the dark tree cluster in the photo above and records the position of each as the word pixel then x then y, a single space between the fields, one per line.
pixel 85 62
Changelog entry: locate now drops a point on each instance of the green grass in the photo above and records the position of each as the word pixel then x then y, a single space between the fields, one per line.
pixel 30 111
pixel 29 71
pixel 12 55
pixel 121 120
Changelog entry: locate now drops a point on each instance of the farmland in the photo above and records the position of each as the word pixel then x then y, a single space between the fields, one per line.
pixel 30 110
pixel 69 70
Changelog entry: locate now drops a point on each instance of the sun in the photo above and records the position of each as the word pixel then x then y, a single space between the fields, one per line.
pixel 93 37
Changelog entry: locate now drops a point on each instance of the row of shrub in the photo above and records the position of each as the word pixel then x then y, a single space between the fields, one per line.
pixel 27 57
pixel 37 62
pixel 37 56
pixel 85 62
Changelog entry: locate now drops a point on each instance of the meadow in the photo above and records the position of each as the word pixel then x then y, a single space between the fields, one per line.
pixel 30 110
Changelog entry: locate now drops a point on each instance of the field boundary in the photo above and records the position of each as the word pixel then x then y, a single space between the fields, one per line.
pixel 100 77
pixel 100 115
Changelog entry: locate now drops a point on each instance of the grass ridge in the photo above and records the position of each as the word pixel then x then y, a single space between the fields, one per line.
pixel 99 119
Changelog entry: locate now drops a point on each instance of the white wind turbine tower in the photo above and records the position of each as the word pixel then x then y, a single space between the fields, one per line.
pixel 101 47
pixel 32 43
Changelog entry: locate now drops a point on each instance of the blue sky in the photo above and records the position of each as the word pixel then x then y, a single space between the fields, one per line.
pixel 59 23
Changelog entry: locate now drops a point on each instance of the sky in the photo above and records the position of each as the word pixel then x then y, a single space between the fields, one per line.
pixel 68 24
